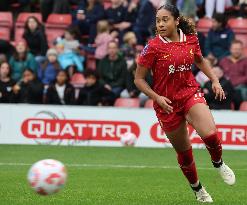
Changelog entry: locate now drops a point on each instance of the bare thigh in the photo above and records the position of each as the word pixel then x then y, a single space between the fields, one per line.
pixel 179 138
pixel 201 119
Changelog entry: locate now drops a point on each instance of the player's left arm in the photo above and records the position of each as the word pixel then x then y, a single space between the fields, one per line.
pixel 202 64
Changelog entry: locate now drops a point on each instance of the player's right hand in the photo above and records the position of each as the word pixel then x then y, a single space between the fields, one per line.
pixel 164 103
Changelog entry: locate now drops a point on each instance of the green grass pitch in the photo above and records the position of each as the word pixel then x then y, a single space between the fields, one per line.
pixel 117 176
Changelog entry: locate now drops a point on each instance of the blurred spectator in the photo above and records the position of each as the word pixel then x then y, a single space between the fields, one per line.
pixel 227 87
pixel 145 20
pixel 235 68
pixel 21 60
pixel 29 89
pixel 219 38
pixel 103 38
pixel 69 58
pixel 129 48
pixel 6 48
pixel 219 5
pixel 131 90
pixel 112 69
pixel 94 93
pixel 53 6
pixel 61 92
pixel 6 83
pixel 35 37
pixel 243 8
pixel 71 39
pixel 47 72
pixel 89 12
pixel 187 7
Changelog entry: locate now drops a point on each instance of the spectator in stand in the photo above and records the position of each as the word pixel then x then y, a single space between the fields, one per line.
pixel 219 38
pixel 145 20
pixel 187 7
pixel 219 5
pixel 29 89
pixel 61 92
pixel 243 8
pixel 103 38
pixel 6 83
pixel 21 60
pixel 93 93
pixel 112 70
pixel 47 72
pixel 129 48
pixel 53 6
pixel 35 37
pixel 131 90
pixel 71 40
pixel 235 68
pixel 6 48
pixel 227 87
pixel 69 58
pixel 89 12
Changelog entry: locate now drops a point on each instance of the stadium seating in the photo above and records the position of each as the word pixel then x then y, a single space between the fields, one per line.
pixel 245 51
pixel 242 37
pixel 149 103
pixel 127 102
pixel 238 25
pixel 204 24
pixel 5 33
pixel 243 106
pixel 6 19
pixel 56 25
pixel 91 62
pixel 20 23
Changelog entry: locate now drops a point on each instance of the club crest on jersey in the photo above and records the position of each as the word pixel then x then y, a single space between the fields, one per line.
pixel 180 68
pixel 191 52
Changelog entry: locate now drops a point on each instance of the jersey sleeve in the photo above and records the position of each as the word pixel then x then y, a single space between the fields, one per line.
pixel 198 52
pixel 147 57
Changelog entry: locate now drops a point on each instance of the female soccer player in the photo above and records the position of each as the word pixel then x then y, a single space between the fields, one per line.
pixel 176 95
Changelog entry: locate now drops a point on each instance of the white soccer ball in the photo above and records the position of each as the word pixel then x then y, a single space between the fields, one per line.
pixel 47 176
pixel 128 139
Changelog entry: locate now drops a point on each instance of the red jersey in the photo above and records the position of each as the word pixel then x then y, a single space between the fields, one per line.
pixel 171 64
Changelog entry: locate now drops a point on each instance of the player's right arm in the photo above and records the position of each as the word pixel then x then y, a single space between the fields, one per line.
pixel 143 86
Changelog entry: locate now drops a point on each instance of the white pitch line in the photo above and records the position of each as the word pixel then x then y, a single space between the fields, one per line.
pixel 116 166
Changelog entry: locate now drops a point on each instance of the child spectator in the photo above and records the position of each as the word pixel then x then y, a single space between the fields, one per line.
pixel 129 48
pixel 29 89
pixel 71 40
pixel 69 58
pixel 102 39
pixel 61 92
pixel 94 93
pixel 6 83
pixel 227 87
pixel 21 60
pixel 47 72
pixel 35 37
pixel 219 38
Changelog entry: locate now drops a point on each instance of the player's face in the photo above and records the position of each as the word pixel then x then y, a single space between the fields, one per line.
pixel 165 23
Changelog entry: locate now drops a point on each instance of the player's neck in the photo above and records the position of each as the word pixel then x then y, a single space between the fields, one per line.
pixel 174 37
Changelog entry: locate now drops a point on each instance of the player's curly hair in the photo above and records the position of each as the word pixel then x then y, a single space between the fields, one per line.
pixel 187 26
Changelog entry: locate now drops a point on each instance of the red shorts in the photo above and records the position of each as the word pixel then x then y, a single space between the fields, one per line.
pixel 170 122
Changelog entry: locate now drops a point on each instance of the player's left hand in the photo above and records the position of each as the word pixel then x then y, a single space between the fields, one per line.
pixel 218 90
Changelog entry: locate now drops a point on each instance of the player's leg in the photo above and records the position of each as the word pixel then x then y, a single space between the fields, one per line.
pixel 180 141
pixel 200 117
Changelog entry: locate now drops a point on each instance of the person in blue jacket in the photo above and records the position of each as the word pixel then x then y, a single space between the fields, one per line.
pixel 219 38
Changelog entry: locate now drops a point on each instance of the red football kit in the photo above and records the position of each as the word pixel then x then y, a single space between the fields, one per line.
pixel 171 64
